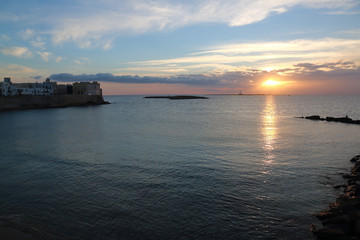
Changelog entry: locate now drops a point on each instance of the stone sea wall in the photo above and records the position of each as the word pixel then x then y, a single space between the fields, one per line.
pixel 53 101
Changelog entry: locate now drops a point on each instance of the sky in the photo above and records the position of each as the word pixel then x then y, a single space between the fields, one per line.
pixel 185 47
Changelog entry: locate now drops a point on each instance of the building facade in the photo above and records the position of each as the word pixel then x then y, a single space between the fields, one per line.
pixel 87 88
pixel 17 89
pixel 7 88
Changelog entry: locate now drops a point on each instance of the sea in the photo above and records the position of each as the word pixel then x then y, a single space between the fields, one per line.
pixel 227 167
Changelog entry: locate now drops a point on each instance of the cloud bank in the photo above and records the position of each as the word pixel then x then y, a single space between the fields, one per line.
pixel 193 79
pixel 342 73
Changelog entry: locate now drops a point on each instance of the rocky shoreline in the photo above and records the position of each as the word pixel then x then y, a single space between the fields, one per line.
pixel 345 119
pixel 342 219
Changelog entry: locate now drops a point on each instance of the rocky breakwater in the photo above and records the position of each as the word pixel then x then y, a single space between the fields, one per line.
pixel 52 101
pixel 342 219
pixel 345 119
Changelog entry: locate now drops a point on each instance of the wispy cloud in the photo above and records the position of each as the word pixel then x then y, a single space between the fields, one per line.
pixel 109 17
pixel 27 34
pixel 17 72
pixel 38 43
pixel 108 45
pixel 14 68
pixel 343 13
pixel 5 17
pixel 21 52
pixel 299 45
pixel 81 61
pixel 353 31
pixel 4 38
pixel 279 54
pixel 44 55
pixel 59 59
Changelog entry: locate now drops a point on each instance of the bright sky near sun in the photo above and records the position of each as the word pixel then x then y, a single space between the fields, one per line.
pixel 197 46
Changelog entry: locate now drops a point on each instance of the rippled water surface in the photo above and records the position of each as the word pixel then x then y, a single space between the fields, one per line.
pixel 230 167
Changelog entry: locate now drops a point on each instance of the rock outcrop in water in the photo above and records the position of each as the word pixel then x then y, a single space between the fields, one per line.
pixel 342 219
pixel 345 119
pixel 180 97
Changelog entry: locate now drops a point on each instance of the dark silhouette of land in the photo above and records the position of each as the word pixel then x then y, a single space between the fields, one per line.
pixel 50 101
pixel 179 97
pixel 345 119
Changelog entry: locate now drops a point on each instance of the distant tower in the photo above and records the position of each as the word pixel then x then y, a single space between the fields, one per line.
pixel 7 80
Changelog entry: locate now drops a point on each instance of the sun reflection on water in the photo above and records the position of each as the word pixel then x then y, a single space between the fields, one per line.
pixel 269 129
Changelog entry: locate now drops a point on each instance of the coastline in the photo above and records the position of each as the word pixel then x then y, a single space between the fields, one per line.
pixel 51 101
pixel 345 119
pixel 342 218
pixel 177 97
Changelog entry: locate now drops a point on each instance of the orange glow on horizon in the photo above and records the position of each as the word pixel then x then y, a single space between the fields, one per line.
pixel 280 86
pixel 271 83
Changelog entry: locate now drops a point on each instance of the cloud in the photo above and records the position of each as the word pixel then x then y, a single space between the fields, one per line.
pixel 343 13
pixel 38 44
pixel 20 73
pixel 20 52
pixel 200 79
pixel 44 55
pixel 276 54
pixel 36 77
pixel 27 34
pixel 81 61
pixel 17 71
pixel 299 45
pixel 59 59
pixel 88 29
pixel 332 71
pixel 108 45
pixel 5 17
pixel 4 38
pixel 353 31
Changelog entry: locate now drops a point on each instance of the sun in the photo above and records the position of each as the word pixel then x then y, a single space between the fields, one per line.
pixel 271 83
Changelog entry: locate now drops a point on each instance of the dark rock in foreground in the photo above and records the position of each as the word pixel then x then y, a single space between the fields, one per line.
pixel 179 97
pixel 345 119
pixel 342 219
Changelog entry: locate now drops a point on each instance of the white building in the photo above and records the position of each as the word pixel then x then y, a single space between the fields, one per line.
pixel 6 88
pixel 15 89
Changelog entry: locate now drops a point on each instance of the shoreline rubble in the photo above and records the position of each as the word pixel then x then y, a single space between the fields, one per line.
pixel 345 119
pixel 342 218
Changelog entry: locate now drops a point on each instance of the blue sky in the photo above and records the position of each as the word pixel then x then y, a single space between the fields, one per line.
pixel 140 47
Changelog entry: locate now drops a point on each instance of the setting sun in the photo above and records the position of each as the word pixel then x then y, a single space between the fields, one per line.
pixel 271 82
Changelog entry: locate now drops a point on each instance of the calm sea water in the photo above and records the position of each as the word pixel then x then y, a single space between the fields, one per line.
pixel 231 167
